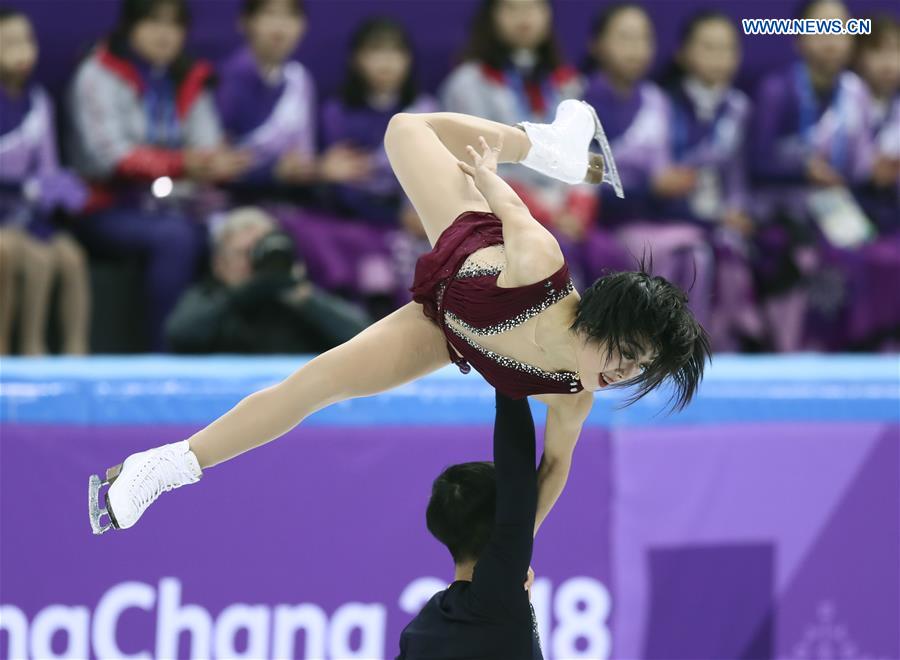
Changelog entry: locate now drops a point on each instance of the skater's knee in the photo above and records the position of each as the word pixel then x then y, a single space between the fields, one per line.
pixel 401 128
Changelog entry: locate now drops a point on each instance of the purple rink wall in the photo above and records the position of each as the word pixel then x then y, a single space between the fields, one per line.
pixel 762 522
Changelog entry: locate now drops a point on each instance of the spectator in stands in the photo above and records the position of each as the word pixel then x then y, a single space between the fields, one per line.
pixel 872 271
pixel 142 116
pixel 258 299
pixel 268 102
pixel 878 63
pixel 513 71
pixel 637 117
pixel 811 147
pixel 33 191
pixel 379 82
pixel 707 137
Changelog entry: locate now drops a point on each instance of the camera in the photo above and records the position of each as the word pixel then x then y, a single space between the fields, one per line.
pixel 273 254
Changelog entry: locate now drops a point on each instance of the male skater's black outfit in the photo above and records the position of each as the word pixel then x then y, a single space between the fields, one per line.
pixel 491 616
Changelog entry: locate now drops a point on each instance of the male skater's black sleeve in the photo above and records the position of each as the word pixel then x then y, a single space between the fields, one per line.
pixel 500 572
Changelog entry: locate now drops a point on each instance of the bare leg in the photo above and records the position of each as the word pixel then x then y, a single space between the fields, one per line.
pixel 37 264
pixel 74 298
pixel 424 150
pixel 9 269
pixel 399 348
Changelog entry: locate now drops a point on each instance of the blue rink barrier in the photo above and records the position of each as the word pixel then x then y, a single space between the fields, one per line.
pixel 157 390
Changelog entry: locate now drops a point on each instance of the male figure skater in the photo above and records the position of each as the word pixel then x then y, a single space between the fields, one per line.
pixel 485 514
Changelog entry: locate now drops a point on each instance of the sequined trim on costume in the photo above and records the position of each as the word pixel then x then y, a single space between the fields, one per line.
pixel 534 626
pixel 510 363
pixel 470 270
pixel 475 269
pixel 518 319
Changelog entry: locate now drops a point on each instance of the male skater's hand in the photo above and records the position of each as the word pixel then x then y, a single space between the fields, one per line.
pixel 529 580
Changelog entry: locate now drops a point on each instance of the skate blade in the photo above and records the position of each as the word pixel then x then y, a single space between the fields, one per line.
pixel 610 171
pixel 95 513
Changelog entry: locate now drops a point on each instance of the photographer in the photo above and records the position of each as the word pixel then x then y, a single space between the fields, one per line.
pixel 258 299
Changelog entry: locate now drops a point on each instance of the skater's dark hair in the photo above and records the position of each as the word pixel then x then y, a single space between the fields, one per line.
pixel 250 8
pixel 486 46
pixel 373 31
pixel 634 311
pixel 461 509
pixel 133 12
pixel 601 24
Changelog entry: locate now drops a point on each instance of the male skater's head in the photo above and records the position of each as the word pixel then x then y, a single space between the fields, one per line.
pixel 461 512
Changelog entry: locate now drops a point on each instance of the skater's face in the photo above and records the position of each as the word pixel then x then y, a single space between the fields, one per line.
pixel 19 52
pixel 627 46
pixel 275 30
pixel 880 66
pixel 159 37
pixel 383 64
pixel 712 53
pixel 827 53
pixel 598 367
pixel 522 23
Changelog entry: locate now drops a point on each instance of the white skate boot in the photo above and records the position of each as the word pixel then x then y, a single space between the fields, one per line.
pixel 561 150
pixel 136 483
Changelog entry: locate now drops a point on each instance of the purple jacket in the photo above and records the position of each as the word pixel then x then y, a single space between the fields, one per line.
pixel 708 132
pixel 31 180
pixel 270 117
pixel 378 198
pixel 794 123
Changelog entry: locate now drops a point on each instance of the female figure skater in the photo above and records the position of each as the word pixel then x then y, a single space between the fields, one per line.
pixel 494 293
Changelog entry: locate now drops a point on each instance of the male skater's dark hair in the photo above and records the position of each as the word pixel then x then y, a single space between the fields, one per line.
pixel 461 509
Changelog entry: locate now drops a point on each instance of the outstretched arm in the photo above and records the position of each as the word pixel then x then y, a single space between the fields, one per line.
pixel 503 565
pixel 566 414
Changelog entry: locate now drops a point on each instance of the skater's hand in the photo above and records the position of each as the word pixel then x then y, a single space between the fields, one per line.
pixel 484 163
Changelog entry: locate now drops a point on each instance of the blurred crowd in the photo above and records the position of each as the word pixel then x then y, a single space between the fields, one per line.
pixel 264 218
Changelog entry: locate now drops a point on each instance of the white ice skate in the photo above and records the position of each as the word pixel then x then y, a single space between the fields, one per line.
pixel 136 483
pixel 562 149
